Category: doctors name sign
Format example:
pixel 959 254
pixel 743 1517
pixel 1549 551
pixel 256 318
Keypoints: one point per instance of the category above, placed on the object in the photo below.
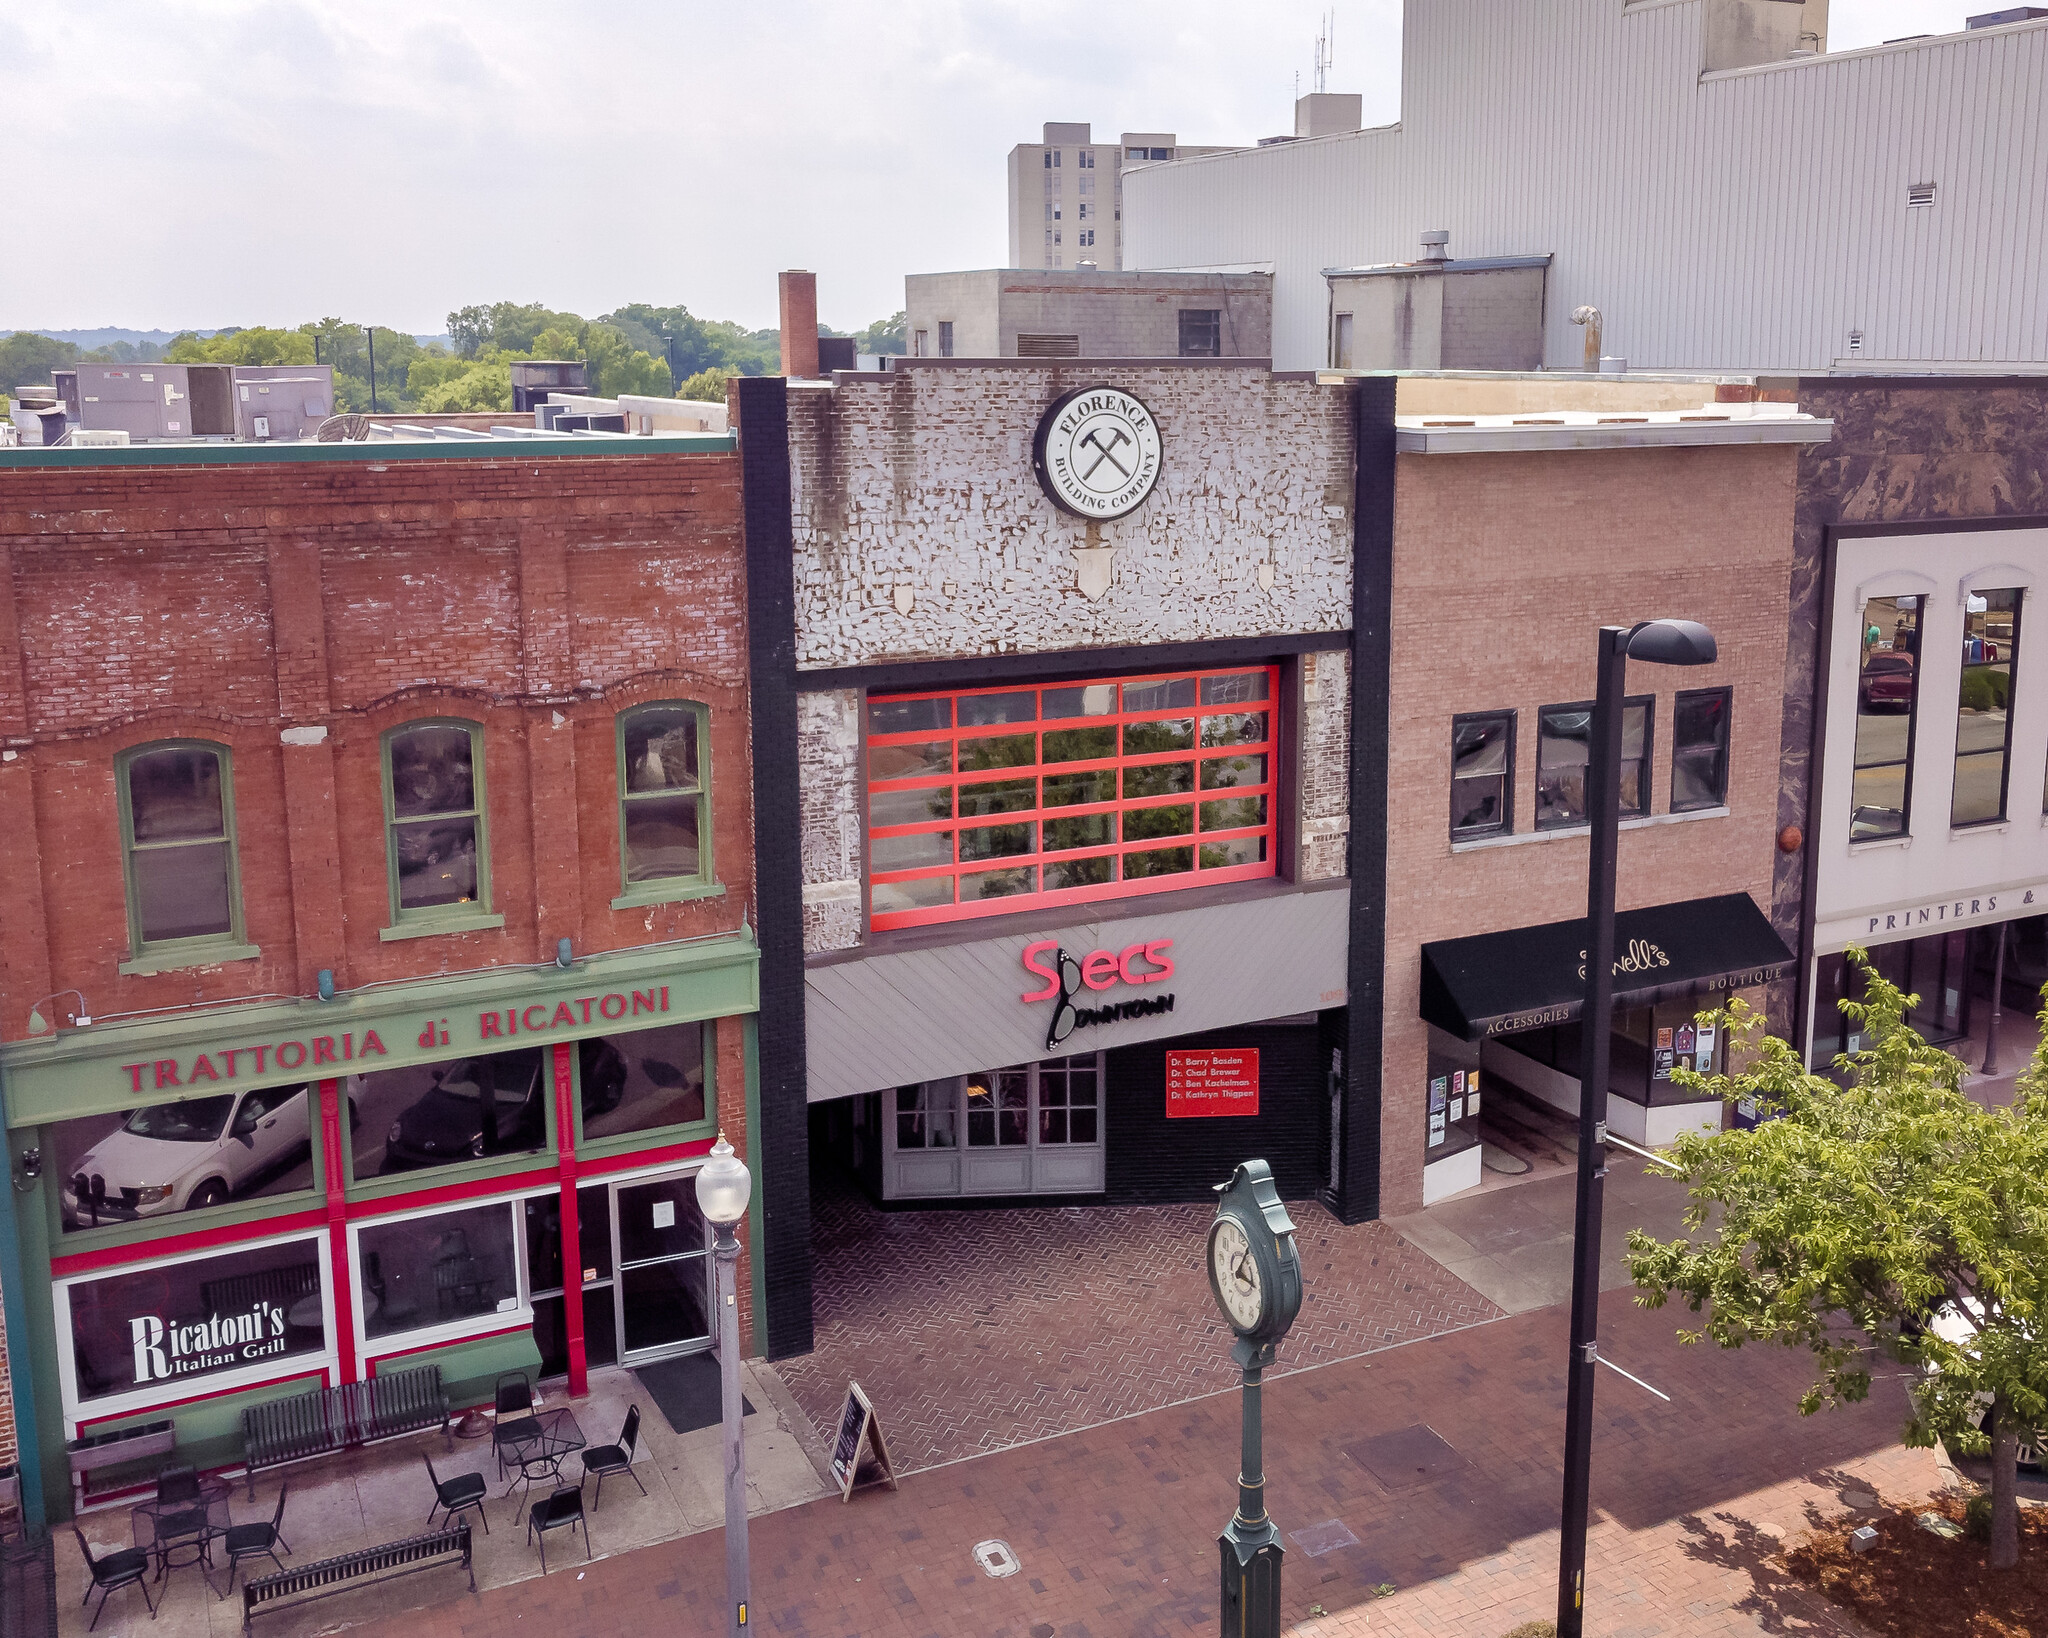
pixel 1212 1081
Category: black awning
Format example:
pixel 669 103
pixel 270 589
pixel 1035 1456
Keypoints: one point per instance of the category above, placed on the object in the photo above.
pixel 1497 983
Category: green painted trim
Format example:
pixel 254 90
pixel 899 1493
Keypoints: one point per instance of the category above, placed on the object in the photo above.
pixel 467 913
pixel 21 1371
pixel 663 893
pixel 170 954
pixel 445 924
pixel 460 1171
pixel 95 1070
pixel 623 1143
pixel 678 887
pixel 517 450
pixel 39 1349
pixel 469 1370
pixel 757 1264
pixel 180 958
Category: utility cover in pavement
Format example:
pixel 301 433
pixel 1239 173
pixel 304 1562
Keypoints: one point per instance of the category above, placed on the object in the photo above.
pixel 995 1558
pixel 1319 1539
pixel 1406 1458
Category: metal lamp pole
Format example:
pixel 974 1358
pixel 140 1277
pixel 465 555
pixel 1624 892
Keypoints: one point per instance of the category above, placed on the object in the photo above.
pixel 723 1189
pixel 1669 642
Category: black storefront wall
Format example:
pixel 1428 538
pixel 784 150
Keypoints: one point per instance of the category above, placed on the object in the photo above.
pixel 1152 1160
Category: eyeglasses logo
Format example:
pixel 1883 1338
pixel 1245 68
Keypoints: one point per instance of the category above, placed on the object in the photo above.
pixel 1145 962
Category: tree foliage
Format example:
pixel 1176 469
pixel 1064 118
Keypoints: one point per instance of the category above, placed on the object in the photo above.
pixel 884 335
pixel 26 359
pixel 1890 1215
pixel 256 346
pixel 708 386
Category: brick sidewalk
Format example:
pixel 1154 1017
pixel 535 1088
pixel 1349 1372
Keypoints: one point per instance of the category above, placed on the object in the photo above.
pixel 1115 1526
pixel 978 1330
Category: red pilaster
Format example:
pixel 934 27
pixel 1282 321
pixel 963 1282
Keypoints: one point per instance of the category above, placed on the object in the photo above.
pixel 337 1229
pixel 572 1243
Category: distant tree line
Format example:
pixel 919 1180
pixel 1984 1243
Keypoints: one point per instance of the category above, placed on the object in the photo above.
pixel 639 348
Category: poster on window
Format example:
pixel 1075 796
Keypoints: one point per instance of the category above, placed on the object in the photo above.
pixel 1212 1081
pixel 180 1324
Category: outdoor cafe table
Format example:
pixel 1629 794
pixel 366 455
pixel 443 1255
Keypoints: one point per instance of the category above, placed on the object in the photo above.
pixel 539 1450
pixel 164 1527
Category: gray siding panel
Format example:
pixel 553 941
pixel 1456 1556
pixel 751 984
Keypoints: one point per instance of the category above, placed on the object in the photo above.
pixel 1744 220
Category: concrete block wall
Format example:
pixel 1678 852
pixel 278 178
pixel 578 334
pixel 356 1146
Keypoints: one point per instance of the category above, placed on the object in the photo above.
pixel 921 531
pixel 1505 566
pixel 828 755
pixel 1325 761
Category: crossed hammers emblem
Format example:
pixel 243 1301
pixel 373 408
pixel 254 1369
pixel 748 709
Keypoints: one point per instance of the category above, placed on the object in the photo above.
pixel 1106 452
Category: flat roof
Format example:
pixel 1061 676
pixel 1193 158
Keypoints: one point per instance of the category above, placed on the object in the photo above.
pixel 1709 425
pixel 1454 264
pixel 371 451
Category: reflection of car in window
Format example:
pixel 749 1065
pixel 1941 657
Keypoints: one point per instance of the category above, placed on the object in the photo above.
pixel 186 1156
pixel 495 1104
pixel 1887 679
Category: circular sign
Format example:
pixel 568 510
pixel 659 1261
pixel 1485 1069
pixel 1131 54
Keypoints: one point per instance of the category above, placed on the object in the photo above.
pixel 1097 453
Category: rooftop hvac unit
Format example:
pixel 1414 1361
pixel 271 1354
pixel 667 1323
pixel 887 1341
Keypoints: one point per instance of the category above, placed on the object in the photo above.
pixel 97 438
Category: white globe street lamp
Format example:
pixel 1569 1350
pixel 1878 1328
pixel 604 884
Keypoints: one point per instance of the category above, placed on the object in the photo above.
pixel 724 1186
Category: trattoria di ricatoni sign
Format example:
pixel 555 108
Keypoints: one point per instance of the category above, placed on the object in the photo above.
pixel 353 1052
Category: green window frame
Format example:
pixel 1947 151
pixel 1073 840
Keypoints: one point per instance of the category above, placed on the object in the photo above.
pixel 437 848
pixel 664 809
pixel 171 848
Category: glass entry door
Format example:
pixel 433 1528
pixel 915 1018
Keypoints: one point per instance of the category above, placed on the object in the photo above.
pixel 646 1273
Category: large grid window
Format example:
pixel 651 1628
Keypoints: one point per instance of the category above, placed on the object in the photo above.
pixel 1991 635
pixel 1887 700
pixel 178 841
pixel 993 799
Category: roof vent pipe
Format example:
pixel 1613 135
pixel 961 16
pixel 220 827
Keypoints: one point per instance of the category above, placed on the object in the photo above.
pixel 1435 245
pixel 1590 318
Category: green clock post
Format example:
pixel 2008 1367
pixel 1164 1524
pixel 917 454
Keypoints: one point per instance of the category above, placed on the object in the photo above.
pixel 1255 1273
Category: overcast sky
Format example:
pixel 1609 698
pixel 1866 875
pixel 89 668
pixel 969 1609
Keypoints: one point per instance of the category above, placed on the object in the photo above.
pixel 201 163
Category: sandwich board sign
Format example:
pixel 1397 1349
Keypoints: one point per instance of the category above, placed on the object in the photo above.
pixel 860 1434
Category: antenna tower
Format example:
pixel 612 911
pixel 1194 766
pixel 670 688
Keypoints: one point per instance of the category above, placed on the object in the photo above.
pixel 1326 49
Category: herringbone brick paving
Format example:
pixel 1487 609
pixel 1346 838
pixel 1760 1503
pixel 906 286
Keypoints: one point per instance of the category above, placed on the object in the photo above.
pixel 1116 1526
pixel 976 1330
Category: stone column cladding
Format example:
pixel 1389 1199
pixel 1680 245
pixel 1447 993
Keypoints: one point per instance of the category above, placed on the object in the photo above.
pixel 1908 451
pixel 1505 565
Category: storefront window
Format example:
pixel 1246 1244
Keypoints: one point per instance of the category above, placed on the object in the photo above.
pixel 1991 634
pixel 434 811
pixel 1887 690
pixel 999 1108
pixel 167 1158
pixel 1563 752
pixel 405 1120
pixel 663 821
pixel 178 837
pixel 1067 1100
pixel 996 799
pixel 925 1116
pixel 643 1080
pixel 173 1327
pixel 1699 750
pixel 452 1266
pixel 1482 774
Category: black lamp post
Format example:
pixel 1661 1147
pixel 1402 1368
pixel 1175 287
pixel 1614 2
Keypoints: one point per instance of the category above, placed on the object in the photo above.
pixel 1663 642
pixel 370 331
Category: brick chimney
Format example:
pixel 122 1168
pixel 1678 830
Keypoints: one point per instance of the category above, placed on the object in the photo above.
pixel 799 292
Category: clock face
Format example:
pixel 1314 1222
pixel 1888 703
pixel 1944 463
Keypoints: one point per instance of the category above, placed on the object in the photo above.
pixel 1234 1272
pixel 1097 453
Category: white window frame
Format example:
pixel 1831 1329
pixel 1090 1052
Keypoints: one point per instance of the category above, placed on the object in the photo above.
pixel 962 1150
pixel 422 1337
pixel 184 1390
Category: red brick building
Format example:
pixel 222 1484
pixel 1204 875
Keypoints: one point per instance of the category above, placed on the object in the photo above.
pixel 379 757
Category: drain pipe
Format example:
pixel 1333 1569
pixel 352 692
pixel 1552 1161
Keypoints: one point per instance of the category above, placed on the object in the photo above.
pixel 1590 318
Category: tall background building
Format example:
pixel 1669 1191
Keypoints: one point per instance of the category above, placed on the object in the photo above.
pixel 1066 193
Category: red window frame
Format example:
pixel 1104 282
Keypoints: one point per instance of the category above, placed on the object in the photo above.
pixel 955 908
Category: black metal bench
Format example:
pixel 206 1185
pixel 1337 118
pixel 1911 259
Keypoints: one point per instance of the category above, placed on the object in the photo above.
pixel 331 1419
pixel 306 1582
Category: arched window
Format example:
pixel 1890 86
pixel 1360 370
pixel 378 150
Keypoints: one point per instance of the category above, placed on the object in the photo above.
pixel 437 841
pixel 178 853
pixel 664 800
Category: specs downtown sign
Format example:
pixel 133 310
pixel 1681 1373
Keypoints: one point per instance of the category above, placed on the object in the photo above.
pixel 1145 962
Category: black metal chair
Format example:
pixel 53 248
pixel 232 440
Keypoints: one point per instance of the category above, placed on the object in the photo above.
pixel 561 1509
pixel 463 1491
pixel 514 1407
pixel 177 1484
pixel 618 1458
pixel 257 1540
pixel 129 1567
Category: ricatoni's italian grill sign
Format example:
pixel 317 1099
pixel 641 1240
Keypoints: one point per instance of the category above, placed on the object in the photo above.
pixel 164 1350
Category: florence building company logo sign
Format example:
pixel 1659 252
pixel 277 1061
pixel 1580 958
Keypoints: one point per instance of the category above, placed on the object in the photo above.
pixel 1097 453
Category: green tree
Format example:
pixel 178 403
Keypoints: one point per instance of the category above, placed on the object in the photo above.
pixel 616 366
pixel 884 335
pixel 708 385
pixel 254 346
pixel 26 359
pixel 1889 1215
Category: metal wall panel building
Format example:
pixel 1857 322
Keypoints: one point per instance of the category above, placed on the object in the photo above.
pixel 1744 219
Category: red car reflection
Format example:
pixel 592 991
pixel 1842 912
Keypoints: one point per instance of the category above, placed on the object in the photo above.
pixel 1887 680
